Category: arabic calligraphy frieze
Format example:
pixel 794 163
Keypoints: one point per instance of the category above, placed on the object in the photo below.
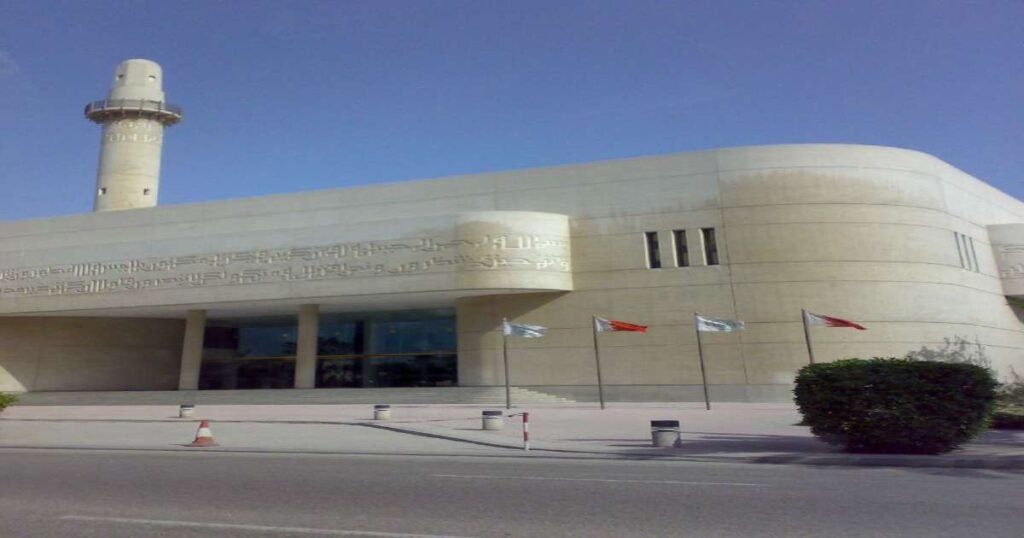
pixel 297 264
pixel 1011 261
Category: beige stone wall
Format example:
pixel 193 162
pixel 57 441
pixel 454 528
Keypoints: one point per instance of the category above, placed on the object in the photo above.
pixel 865 234
pixel 1008 246
pixel 62 353
pixel 137 265
pixel 861 232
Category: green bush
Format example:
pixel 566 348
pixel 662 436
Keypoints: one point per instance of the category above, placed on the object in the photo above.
pixel 895 405
pixel 7 400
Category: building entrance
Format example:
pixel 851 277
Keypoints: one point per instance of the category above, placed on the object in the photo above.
pixel 414 348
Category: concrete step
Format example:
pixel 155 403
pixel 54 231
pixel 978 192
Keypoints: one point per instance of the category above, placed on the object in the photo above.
pixel 412 395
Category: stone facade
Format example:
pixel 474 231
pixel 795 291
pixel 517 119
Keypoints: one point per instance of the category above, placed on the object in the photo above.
pixel 898 240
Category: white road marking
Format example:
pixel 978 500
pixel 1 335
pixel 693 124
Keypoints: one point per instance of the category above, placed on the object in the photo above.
pixel 257 528
pixel 683 482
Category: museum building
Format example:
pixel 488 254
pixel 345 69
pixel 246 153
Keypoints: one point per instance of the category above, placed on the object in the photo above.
pixel 407 284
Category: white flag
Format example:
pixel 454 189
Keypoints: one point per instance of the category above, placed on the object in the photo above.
pixel 522 329
pixel 712 325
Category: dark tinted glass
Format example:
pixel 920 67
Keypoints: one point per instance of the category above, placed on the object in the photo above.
pixel 710 246
pixel 682 251
pixel 653 252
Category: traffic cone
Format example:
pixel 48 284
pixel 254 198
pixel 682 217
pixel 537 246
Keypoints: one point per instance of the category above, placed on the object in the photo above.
pixel 203 435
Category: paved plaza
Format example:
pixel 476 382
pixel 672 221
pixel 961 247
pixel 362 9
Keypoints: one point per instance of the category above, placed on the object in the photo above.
pixel 729 432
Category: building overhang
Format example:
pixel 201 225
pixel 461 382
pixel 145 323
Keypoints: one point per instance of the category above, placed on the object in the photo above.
pixel 394 263
pixel 1008 245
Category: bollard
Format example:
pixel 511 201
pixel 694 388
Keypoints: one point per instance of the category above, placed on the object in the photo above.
pixel 185 411
pixel 493 420
pixel 665 433
pixel 382 412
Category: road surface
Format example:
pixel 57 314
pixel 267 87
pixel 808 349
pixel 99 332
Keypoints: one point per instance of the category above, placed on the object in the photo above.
pixel 89 493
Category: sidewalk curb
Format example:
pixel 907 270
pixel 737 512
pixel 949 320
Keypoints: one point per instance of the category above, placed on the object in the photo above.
pixel 1005 463
pixel 841 461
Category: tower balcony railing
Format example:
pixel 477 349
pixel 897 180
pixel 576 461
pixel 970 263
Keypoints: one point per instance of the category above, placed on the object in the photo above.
pixel 101 111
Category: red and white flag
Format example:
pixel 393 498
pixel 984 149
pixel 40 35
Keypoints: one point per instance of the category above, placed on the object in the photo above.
pixel 605 325
pixel 819 320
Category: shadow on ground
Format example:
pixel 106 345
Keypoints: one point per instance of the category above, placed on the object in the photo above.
pixel 701 443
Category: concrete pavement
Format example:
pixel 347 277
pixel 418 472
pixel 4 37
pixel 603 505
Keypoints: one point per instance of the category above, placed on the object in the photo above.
pixel 730 432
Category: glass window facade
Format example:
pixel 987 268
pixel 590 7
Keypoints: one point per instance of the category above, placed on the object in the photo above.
pixel 256 353
pixel 387 349
pixel 415 348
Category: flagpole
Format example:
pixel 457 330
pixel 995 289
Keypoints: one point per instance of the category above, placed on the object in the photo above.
pixel 504 350
pixel 700 356
pixel 597 360
pixel 807 336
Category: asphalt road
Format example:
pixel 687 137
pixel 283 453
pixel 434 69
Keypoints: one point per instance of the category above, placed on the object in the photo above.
pixel 73 493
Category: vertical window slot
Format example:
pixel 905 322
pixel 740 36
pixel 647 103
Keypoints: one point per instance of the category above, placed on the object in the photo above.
pixel 974 256
pixel 710 246
pixel 959 249
pixel 682 250
pixel 653 252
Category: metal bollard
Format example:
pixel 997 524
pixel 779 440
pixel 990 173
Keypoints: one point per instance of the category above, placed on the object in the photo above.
pixel 493 420
pixel 382 412
pixel 185 411
pixel 665 433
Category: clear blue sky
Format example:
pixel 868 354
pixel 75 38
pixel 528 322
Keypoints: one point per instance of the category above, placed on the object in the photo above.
pixel 286 96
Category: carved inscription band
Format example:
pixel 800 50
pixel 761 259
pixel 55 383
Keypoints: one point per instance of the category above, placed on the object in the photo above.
pixel 336 261
pixel 1011 261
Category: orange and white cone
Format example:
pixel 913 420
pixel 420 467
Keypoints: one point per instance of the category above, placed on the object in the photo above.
pixel 203 435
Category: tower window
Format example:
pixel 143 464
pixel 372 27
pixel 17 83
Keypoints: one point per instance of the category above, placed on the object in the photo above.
pixel 653 252
pixel 710 246
pixel 103 190
pixel 682 250
pixel 145 192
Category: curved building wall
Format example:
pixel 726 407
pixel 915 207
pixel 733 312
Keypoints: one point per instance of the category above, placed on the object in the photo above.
pixel 1008 245
pixel 466 253
pixel 864 233
pixel 895 239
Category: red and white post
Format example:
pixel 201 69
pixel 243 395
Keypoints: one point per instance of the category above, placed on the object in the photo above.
pixel 526 431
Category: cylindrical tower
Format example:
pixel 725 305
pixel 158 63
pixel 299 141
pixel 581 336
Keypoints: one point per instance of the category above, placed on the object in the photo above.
pixel 133 116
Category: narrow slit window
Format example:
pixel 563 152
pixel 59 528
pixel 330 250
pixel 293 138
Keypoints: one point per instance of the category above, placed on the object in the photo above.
pixel 966 249
pixel 653 252
pixel 682 251
pixel 145 192
pixel 710 246
pixel 974 256
pixel 103 190
pixel 959 249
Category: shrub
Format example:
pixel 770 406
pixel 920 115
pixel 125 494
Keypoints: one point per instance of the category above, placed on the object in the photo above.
pixel 7 400
pixel 895 405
